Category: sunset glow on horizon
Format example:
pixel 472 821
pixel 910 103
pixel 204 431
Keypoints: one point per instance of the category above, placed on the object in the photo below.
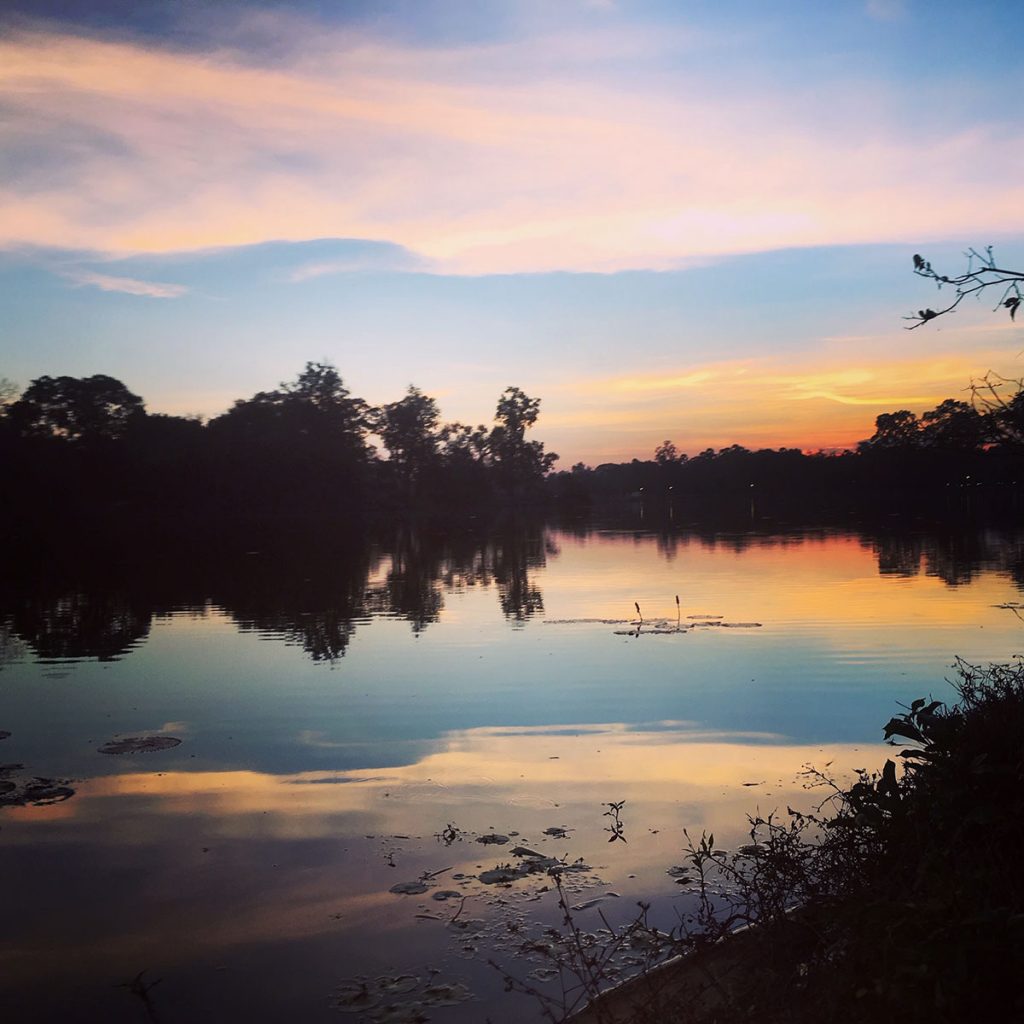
pixel 690 222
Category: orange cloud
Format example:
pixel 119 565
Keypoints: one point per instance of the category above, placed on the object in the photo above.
pixel 756 402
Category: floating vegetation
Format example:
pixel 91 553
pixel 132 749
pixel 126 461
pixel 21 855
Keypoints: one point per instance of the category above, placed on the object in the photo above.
pixel 492 839
pixel 446 994
pixel 503 874
pixel 652 631
pixel 449 834
pixel 34 790
pixel 397 985
pixel 574 622
pixel 525 851
pixel 665 627
pixel 409 888
pixel 139 744
pixel 4 734
pixel 558 831
pixel 616 826
pixel 531 863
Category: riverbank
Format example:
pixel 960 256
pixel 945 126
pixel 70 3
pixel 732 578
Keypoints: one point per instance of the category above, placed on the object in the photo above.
pixel 911 903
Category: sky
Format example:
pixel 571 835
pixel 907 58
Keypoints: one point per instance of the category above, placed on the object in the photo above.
pixel 667 220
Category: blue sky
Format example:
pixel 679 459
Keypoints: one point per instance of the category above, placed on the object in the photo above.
pixel 691 221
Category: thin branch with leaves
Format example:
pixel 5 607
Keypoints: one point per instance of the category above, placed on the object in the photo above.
pixel 982 275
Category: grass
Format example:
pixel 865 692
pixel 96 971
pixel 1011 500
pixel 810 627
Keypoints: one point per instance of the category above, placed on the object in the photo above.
pixel 900 898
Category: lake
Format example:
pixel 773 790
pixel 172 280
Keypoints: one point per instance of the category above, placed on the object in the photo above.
pixel 358 716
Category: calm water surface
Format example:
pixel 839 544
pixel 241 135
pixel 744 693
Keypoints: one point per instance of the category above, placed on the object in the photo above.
pixel 352 718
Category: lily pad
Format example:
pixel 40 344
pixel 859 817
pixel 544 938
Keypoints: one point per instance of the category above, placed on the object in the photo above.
pixel 525 851
pixel 502 875
pixel 446 894
pixel 492 839
pixel 37 791
pixel 139 744
pixel 446 994
pixel 408 888
pixel 397 985
pixel 46 791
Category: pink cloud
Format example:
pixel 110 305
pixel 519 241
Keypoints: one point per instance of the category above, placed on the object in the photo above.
pixel 488 159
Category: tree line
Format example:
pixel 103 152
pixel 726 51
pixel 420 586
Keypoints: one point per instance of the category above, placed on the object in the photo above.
pixel 307 445
pixel 955 445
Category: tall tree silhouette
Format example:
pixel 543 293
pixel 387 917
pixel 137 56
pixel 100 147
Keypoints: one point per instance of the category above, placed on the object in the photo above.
pixel 519 464
pixel 301 443
pixel 409 430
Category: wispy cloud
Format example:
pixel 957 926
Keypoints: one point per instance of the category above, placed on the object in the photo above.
pixel 534 154
pixel 664 383
pixel 127 285
pixel 377 258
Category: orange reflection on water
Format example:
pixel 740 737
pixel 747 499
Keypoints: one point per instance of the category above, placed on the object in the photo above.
pixel 524 768
pixel 246 857
pixel 826 580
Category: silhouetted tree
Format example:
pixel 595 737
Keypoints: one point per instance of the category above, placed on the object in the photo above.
pixel 666 453
pixel 304 442
pixel 409 430
pixel 82 410
pixel 894 430
pixel 1001 402
pixel 953 425
pixel 315 407
pixel 464 452
pixel 520 464
pixel 461 442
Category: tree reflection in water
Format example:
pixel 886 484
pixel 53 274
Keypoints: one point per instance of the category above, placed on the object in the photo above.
pixel 306 587
pixel 312 587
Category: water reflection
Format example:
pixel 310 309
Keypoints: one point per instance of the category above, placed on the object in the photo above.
pixel 309 591
pixel 312 589
pixel 216 880
pixel 97 623
pixel 416 685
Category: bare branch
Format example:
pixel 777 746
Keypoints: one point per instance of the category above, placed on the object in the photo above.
pixel 981 275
